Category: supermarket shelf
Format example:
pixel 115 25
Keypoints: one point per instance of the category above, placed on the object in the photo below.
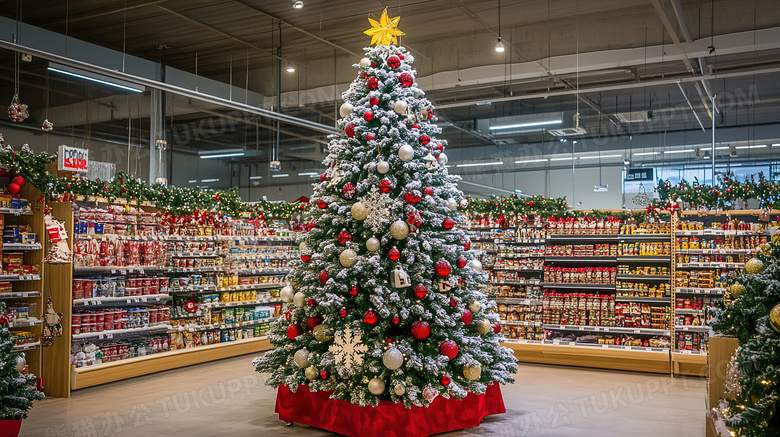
pixel 251 239
pixel 716 251
pixel 687 362
pixel 581 259
pixel 644 237
pixel 517 300
pixel 688 311
pixel 20 294
pixel 118 370
pixel 259 257
pixel 600 238
pixel 516 269
pixel 609 287
pixel 252 286
pixel 27 346
pixel 194 254
pixel 209 269
pixel 24 323
pixel 19 246
pixel 20 277
pixel 124 300
pixel 520 255
pixel 664 278
pixel 608 346
pixel 710 291
pixel 115 270
pixel 116 333
pixel 528 282
pixel 240 303
pixel 689 352
pixel 525 241
pixel 662 300
pixel 260 271
pixel 691 328
pixel 715 232
pixel 520 323
pixel 710 265
pixel 645 259
pixel 200 328
pixel 193 288
pixel 612 329
pixel 16 211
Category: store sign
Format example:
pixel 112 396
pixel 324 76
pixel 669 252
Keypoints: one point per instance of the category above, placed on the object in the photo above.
pixel 72 159
pixel 639 174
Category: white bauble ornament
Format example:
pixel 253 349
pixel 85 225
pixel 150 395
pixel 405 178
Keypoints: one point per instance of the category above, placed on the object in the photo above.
pixel 452 204
pixel 301 358
pixel 287 294
pixel 21 363
pixel 365 62
pixel 464 203
pixel 399 230
pixel 406 153
pixel 484 326
pixel 312 373
pixel 393 358
pixel 359 211
pixel 346 109
pixel 400 107
pixel 472 371
pixel 399 389
pixel 383 167
pixel 376 386
pixel 372 244
pixel 443 160
pixel 474 307
pixel 303 247
pixel 299 299
pixel 430 393
pixel 348 258
pixel 476 265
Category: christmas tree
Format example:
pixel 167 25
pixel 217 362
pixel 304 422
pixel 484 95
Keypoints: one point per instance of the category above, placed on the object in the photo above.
pixel 384 303
pixel 17 391
pixel 751 313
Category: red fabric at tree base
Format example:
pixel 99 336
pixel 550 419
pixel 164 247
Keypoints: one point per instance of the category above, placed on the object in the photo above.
pixel 10 428
pixel 388 419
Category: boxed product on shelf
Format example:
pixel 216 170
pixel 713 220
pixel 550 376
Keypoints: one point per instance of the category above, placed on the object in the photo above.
pixel 19 234
pixel 646 228
pixel 23 337
pixel 641 315
pixel 699 258
pixel 583 225
pixel 625 269
pixel 516 291
pixel 691 341
pixel 578 309
pixel 645 249
pixel 581 250
pixel 109 319
pixel 580 275
pixel 641 289
pixel 519 264
pixel 119 253
pixel 6 287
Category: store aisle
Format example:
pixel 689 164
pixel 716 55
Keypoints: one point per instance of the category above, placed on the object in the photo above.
pixel 228 398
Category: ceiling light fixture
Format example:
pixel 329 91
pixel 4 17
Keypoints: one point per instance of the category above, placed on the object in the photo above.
pixel 254 178
pixel 479 164
pixel 524 125
pixel 601 157
pixel 222 153
pixel 601 188
pixel 205 181
pixel 192 181
pixel 528 161
pixel 626 161
pixel 309 173
pixel 568 158
pixel 282 175
pixel 757 146
pixel 646 153
pixel 670 152
pixel 290 69
pixel 93 78
pixel 297 4
pixel 500 46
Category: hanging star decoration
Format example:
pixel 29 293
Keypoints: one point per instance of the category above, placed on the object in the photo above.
pixel 384 31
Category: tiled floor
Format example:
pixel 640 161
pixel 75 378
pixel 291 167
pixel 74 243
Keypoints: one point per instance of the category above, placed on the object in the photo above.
pixel 227 398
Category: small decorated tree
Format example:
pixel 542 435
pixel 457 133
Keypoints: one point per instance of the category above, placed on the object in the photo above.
pixel 17 391
pixel 751 313
pixel 384 303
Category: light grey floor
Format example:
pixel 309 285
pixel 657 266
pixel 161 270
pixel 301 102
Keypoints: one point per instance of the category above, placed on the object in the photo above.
pixel 227 398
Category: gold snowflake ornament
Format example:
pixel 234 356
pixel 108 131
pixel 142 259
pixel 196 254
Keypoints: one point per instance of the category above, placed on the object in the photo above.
pixel 384 31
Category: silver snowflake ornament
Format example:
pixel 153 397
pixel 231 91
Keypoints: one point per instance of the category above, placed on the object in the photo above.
pixel 348 349
pixel 376 204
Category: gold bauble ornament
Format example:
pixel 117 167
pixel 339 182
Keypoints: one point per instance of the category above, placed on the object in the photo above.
pixel 348 258
pixel 312 373
pixel 472 371
pixel 372 244
pixel 399 230
pixel 754 266
pixel 301 358
pixel 322 332
pixel 299 299
pixel 376 386
pixel 774 318
pixel 483 326
pixel 765 248
pixel 727 299
pixel 474 307
pixel 359 211
pixel 736 290
pixel 399 389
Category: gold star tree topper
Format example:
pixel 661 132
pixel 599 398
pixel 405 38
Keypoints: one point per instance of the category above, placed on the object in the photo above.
pixel 384 31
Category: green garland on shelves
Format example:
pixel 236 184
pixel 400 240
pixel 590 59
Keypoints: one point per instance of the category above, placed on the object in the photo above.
pixel 720 196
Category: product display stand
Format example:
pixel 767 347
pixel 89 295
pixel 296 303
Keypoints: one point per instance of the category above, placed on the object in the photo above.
pixel 388 419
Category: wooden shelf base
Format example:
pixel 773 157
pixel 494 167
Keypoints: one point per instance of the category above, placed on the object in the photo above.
pixel 578 356
pixel 118 370
pixel 689 364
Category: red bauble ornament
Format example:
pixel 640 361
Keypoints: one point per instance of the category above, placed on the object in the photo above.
pixel 322 204
pixel 342 313
pixel 13 188
pixel 448 223
pixel 324 177
pixel 288 315
pixel 496 328
pixel 344 237
pixel 414 126
pixel 393 62
pixel 370 137
pixel 420 291
pixel 18 181
pixel 412 197
pixel 350 130
pixel 449 349
pixel 368 116
pixel 424 139
pixel 453 302
pixel 294 331
pixel 445 380
pixel 414 219
pixel 373 64
pixel 461 262
pixel 400 56
pixel 384 185
pixel 373 101
pixel 305 258
pixel 428 191
pixel 466 243
pixel 396 320
pixel 324 374
pixel 406 79
pixel 353 291
pixel 311 302
pixel 439 147
pixel 324 277
pixel 421 330
pixel 370 317
pixel 443 268
pixel 373 83
pixel 466 317
pixel 349 190
pixel 311 322
pixel 394 254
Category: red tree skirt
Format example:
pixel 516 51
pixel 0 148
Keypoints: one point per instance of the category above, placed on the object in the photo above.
pixel 388 419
